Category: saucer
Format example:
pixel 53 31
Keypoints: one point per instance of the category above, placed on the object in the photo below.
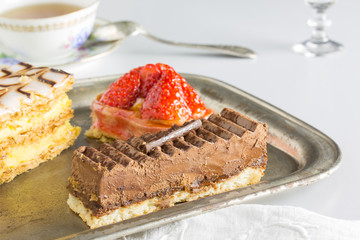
pixel 81 54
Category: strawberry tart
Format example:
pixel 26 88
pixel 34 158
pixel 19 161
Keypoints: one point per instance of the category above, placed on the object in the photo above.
pixel 147 99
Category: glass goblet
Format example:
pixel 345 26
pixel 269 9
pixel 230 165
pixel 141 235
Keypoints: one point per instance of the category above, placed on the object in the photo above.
pixel 319 43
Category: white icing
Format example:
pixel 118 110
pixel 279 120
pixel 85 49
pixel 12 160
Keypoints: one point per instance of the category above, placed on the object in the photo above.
pixel 27 81
pixel 33 71
pixel 55 76
pixel 9 104
pixel 15 68
pixel 10 81
pixel 40 88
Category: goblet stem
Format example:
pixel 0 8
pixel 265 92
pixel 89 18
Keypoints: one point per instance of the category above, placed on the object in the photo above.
pixel 319 43
pixel 319 23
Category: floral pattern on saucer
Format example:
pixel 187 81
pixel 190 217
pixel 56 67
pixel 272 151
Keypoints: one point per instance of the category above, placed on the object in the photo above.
pixel 78 40
pixel 7 60
pixel 80 54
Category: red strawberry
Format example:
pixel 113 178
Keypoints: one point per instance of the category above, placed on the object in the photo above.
pixel 163 67
pixel 165 100
pixel 124 92
pixel 149 75
pixel 193 100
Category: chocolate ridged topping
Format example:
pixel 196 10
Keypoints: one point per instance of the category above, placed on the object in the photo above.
pixel 114 154
pixel 239 119
pixel 186 157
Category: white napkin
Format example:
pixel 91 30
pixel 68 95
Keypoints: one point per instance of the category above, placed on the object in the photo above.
pixel 250 221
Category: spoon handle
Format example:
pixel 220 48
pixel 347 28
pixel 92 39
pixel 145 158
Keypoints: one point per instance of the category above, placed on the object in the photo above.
pixel 232 50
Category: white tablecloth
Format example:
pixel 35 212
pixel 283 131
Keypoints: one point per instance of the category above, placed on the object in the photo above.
pixel 255 221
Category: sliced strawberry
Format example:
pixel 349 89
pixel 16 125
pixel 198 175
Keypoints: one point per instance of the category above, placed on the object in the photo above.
pixel 193 101
pixel 124 92
pixel 149 75
pixel 165 100
pixel 164 68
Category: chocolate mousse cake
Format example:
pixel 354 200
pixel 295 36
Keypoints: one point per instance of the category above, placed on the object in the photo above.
pixel 34 117
pixel 203 157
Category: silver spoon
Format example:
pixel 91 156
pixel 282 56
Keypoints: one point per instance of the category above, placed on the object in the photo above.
pixel 120 30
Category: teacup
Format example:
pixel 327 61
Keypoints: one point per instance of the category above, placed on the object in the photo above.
pixel 46 38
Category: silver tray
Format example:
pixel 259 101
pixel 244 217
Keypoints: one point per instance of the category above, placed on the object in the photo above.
pixel 33 205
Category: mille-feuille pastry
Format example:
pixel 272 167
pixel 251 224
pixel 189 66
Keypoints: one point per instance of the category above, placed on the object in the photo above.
pixel 130 178
pixel 147 99
pixel 34 117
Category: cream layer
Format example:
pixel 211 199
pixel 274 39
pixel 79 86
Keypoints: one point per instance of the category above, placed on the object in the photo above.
pixel 248 176
pixel 53 113
pixel 27 156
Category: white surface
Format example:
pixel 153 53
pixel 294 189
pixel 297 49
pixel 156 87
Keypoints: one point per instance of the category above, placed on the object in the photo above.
pixel 323 92
pixel 256 222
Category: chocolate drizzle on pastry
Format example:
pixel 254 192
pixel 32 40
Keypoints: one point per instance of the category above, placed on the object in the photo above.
pixel 47 81
pixel 26 65
pixel 196 154
pixel 7 73
pixel 27 94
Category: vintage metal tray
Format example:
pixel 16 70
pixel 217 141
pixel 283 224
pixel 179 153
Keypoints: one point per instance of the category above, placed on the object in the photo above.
pixel 33 205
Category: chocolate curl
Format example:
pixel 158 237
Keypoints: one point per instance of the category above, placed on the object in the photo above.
pixel 175 134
